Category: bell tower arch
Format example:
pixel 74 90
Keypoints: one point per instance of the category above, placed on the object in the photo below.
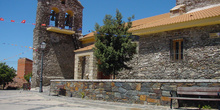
pixel 59 25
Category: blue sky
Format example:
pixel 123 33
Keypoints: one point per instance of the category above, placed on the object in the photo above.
pixel 16 38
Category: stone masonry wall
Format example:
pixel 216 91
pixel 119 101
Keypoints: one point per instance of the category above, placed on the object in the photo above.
pixel 58 54
pixel 201 59
pixel 127 91
pixel 193 4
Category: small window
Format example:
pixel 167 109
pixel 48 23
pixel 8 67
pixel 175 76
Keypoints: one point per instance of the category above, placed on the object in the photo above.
pixel 177 49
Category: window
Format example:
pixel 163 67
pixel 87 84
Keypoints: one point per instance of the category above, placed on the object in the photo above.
pixel 177 49
pixel 54 18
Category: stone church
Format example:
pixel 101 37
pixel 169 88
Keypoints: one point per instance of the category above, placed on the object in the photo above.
pixel 181 44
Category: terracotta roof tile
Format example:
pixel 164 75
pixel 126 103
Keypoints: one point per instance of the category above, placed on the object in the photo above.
pixel 165 19
pixel 202 14
pixel 89 35
pixel 150 19
pixel 138 22
pixel 90 47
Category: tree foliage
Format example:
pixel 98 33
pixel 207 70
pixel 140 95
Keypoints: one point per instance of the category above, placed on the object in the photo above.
pixel 27 77
pixel 113 44
pixel 6 74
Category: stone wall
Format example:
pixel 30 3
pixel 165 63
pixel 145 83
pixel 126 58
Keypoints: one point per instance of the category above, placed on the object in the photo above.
pixel 127 91
pixel 89 67
pixel 201 59
pixel 193 4
pixel 58 54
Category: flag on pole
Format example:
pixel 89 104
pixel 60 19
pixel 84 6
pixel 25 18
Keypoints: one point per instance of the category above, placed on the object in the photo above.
pixel 23 21
pixel 1 19
pixel 12 20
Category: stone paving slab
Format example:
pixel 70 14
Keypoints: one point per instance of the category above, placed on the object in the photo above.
pixel 27 100
pixel 33 100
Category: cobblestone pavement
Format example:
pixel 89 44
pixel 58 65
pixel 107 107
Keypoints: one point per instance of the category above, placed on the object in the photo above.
pixel 33 100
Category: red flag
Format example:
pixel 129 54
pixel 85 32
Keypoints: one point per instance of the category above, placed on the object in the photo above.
pixel 12 20
pixel 43 24
pixel 1 19
pixel 23 21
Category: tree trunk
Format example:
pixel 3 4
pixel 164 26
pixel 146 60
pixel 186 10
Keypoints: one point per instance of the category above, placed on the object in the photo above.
pixel 3 86
pixel 114 74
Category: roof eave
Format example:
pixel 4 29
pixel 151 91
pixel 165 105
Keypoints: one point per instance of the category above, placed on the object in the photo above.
pixel 87 38
pixel 77 51
pixel 175 26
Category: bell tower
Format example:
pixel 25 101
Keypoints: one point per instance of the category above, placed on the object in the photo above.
pixel 59 25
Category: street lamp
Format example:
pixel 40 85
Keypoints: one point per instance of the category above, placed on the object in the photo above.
pixel 42 46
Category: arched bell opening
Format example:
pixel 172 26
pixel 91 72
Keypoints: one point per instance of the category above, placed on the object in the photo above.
pixel 54 17
pixel 69 20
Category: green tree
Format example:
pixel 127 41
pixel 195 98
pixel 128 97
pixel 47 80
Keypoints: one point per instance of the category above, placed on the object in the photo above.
pixel 113 46
pixel 6 74
pixel 27 77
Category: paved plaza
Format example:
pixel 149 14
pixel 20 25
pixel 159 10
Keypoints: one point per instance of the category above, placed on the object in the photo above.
pixel 33 100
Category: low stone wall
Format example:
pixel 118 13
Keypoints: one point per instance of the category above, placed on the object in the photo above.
pixel 127 91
